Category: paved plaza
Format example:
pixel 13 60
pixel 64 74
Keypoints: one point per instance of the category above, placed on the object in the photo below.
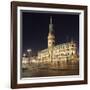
pixel 44 70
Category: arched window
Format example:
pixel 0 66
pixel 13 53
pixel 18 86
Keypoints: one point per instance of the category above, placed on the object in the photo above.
pixel 52 42
pixel 72 53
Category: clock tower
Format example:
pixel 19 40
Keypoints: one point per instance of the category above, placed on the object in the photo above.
pixel 51 40
pixel 51 36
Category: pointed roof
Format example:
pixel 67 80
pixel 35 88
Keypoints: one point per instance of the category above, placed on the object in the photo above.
pixel 50 19
pixel 51 26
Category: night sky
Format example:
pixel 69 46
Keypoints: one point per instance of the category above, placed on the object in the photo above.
pixel 35 28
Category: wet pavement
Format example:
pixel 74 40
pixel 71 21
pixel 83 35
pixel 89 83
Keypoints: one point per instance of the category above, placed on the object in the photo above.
pixel 38 71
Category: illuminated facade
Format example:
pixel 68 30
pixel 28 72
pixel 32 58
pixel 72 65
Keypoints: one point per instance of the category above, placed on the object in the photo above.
pixel 57 53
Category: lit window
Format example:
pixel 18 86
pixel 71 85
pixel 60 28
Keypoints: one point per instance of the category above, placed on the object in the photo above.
pixel 67 53
pixel 72 53
pixel 49 42
pixel 53 43
pixel 72 45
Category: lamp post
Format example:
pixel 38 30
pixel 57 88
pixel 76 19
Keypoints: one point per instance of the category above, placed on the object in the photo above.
pixel 29 55
pixel 24 55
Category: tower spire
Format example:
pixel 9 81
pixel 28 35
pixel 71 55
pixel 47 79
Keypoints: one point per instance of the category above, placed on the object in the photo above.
pixel 51 36
pixel 50 19
pixel 51 25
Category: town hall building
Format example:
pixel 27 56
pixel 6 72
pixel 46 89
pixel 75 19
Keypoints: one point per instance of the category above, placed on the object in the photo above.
pixel 57 53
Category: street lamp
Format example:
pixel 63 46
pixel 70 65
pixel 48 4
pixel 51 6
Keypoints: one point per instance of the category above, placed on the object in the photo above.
pixel 29 54
pixel 24 55
pixel 29 50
